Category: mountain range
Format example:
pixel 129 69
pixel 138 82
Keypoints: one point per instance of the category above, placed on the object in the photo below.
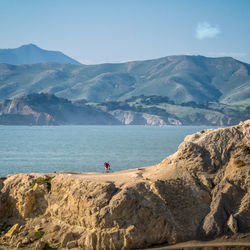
pixel 30 54
pixel 180 78
pixel 170 90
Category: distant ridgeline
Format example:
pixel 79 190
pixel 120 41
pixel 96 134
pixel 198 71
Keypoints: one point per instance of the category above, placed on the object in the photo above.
pixel 47 109
pixel 180 78
pixel 30 54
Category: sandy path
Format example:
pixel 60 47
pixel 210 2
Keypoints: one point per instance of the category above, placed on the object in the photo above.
pixel 200 244
pixel 119 178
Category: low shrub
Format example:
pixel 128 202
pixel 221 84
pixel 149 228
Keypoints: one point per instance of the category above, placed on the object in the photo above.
pixel 40 181
pixel 38 235
pixel 240 163
pixel 245 149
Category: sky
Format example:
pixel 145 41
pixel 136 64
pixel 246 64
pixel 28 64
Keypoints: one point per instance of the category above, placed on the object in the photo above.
pixel 105 31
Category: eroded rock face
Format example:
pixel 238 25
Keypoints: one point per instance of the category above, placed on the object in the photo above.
pixel 200 192
pixel 218 160
pixel 137 118
pixel 18 113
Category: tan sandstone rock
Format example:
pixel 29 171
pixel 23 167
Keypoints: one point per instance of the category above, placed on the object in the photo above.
pixel 40 245
pixel 232 224
pixel 199 192
pixel 12 231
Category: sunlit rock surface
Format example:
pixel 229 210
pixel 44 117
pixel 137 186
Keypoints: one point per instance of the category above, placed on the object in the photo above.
pixel 201 192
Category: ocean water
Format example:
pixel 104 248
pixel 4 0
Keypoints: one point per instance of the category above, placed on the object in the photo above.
pixel 26 149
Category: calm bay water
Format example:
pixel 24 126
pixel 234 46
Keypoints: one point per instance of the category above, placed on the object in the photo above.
pixel 25 149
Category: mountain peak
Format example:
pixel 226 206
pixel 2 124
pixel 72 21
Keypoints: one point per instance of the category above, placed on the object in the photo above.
pixel 29 45
pixel 31 54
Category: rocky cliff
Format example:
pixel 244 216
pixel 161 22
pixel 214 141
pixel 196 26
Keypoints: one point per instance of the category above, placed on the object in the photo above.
pixel 46 109
pixel 201 192
pixel 138 118
pixel 17 112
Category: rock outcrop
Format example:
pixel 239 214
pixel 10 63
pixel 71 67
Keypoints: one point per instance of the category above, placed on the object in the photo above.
pixel 138 118
pixel 16 112
pixel 46 109
pixel 200 192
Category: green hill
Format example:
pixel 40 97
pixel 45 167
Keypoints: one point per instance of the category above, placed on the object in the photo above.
pixel 180 78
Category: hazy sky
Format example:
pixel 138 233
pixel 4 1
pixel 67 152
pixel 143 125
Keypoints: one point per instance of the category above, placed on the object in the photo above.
pixel 95 31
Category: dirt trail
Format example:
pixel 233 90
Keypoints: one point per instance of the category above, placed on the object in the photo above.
pixel 207 245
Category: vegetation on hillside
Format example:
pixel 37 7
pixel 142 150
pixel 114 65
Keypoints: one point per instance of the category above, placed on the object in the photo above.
pixel 188 112
pixel 48 109
pixel 182 79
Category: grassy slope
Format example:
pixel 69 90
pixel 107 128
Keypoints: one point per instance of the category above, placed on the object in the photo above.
pixel 182 78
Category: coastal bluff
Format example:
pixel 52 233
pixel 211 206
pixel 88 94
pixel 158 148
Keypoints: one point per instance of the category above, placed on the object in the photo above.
pixel 201 192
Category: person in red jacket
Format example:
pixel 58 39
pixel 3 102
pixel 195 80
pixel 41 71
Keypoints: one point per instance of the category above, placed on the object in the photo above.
pixel 106 166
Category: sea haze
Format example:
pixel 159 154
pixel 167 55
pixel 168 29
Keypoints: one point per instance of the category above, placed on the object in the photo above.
pixel 26 149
